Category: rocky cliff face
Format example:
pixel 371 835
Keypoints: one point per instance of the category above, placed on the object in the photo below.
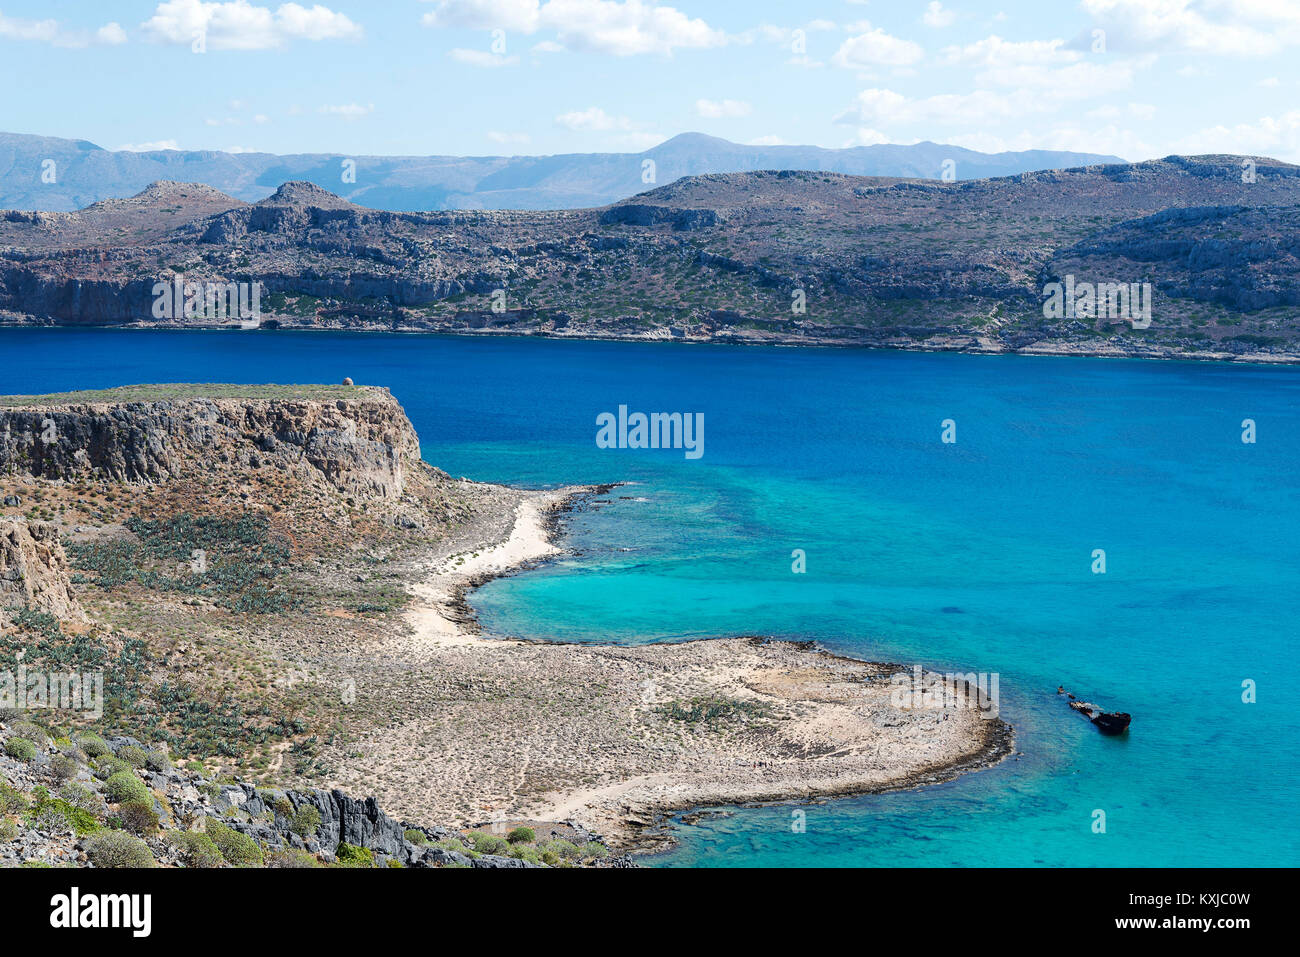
pixel 34 570
pixel 363 447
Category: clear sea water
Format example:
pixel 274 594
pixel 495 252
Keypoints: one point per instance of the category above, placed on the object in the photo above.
pixel 968 557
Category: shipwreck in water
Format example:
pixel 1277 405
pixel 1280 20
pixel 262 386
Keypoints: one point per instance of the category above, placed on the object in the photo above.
pixel 1107 722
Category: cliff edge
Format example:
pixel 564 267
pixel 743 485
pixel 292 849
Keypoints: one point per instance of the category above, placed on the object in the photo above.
pixel 355 440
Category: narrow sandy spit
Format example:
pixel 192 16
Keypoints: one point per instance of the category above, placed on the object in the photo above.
pixel 478 729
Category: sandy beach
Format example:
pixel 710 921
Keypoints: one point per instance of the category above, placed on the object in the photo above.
pixel 472 728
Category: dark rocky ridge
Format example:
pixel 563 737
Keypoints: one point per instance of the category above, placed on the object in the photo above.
pixel 720 257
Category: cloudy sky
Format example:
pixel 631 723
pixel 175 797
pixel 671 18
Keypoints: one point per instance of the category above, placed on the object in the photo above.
pixel 1136 78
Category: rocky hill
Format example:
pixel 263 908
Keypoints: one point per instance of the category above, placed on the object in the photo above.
pixel 789 257
pixel 86 173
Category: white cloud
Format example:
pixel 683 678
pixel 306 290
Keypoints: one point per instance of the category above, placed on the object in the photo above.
pixel 868 137
pixel 888 108
pixel 238 25
pixel 637 141
pixel 1055 72
pixel 719 109
pixel 499 137
pixel 520 16
pixel 993 52
pixel 1223 27
pixel 481 58
pixel 593 118
pixel 618 27
pixel 349 111
pixel 53 33
pixel 110 34
pixel 149 147
pixel 936 16
pixel 770 140
pixel 1276 136
pixel 876 48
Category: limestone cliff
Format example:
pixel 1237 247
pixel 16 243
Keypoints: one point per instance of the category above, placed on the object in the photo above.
pixel 356 440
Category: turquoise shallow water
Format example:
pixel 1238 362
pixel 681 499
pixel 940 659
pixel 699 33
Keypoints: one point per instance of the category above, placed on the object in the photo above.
pixel 967 557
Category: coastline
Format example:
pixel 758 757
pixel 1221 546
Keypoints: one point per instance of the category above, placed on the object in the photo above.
pixel 963 344
pixel 819 725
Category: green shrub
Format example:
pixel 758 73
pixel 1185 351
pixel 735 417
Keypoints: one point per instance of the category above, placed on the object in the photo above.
pixel 525 853
pixel 117 849
pixel 33 733
pixel 12 801
pixel 125 786
pixel 349 856
pixel 64 767
pixel 139 817
pixel 197 849
pixel 488 843
pixel 20 749
pixel 8 830
pixel 564 849
pixel 417 838
pixel 93 745
pixel 594 849
pixel 283 807
pixel 79 795
pixel 395 863
pixel 56 814
pixel 107 766
pixel 521 835
pixel 305 821
pixel 451 844
pixel 157 760
pixel 238 849
pixel 136 757
pixel 291 857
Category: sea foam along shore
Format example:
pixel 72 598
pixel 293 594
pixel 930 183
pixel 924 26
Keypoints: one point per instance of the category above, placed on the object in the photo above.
pixel 615 737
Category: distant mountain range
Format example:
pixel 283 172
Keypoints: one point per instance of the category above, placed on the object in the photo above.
pixel 1197 260
pixel 84 173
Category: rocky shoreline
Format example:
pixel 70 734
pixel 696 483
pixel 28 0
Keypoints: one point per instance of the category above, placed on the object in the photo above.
pixel 1116 348
pixel 633 819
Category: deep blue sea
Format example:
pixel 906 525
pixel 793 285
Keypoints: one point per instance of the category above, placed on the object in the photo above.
pixel 973 556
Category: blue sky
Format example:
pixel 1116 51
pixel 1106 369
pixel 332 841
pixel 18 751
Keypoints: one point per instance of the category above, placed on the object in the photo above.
pixel 1136 78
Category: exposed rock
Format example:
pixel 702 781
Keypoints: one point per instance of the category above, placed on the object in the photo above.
pixel 34 570
pixel 360 446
